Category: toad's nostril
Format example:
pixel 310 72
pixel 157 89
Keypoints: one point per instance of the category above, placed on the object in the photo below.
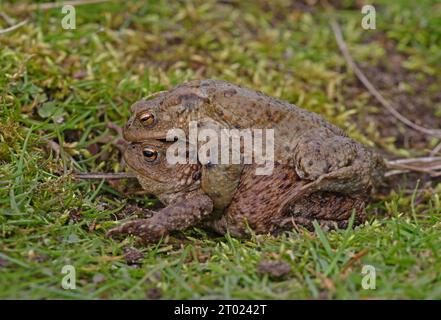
pixel 129 122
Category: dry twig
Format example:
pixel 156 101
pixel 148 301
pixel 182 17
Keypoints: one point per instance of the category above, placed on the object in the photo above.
pixel 360 75
pixel 435 150
pixel 428 165
pixel 104 175
pixel 14 27
pixel 7 18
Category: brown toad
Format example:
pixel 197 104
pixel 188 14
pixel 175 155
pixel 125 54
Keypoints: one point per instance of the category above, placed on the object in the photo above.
pixel 319 152
pixel 262 203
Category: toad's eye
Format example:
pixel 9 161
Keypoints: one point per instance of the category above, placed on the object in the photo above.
pixel 150 154
pixel 147 118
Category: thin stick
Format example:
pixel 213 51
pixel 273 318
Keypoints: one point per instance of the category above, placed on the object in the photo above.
pixel 105 176
pixel 360 75
pixel 115 128
pixel 436 150
pixel 395 172
pixel 7 18
pixel 354 259
pixel 12 28
pixel 413 168
pixel 428 165
pixel 413 160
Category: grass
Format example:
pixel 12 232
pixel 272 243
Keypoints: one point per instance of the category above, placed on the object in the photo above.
pixel 67 85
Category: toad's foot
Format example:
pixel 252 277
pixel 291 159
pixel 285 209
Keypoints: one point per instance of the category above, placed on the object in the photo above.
pixel 344 181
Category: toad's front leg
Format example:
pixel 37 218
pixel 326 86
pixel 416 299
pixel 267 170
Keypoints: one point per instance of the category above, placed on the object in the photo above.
pixel 179 216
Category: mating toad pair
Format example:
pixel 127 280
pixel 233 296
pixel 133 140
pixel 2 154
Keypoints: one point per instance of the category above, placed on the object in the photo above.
pixel 319 173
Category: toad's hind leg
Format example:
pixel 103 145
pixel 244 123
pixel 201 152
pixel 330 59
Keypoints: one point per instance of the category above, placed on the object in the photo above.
pixel 334 163
pixel 330 210
pixel 343 181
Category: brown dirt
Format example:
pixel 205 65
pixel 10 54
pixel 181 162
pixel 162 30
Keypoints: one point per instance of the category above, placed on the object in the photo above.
pixel 416 103
pixel 154 294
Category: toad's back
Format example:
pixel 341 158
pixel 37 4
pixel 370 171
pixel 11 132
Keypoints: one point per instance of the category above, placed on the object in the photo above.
pixel 246 108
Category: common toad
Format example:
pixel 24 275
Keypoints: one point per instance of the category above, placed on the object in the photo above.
pixel 318 151
pixel 262 203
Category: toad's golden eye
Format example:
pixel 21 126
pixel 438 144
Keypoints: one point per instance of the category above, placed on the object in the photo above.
pixel 150 154
pixel 147 118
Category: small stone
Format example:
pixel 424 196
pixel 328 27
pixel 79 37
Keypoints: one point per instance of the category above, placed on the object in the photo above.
pixel 274 268
pixel 80 74
pixel 154 293
pixel 98 278
pixel 3 263
pixel 132 255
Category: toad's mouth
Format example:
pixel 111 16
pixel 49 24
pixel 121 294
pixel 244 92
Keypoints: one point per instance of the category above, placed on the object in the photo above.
pixel 140 175
pixel 164 140
pixel 151 183
pixel 136 137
